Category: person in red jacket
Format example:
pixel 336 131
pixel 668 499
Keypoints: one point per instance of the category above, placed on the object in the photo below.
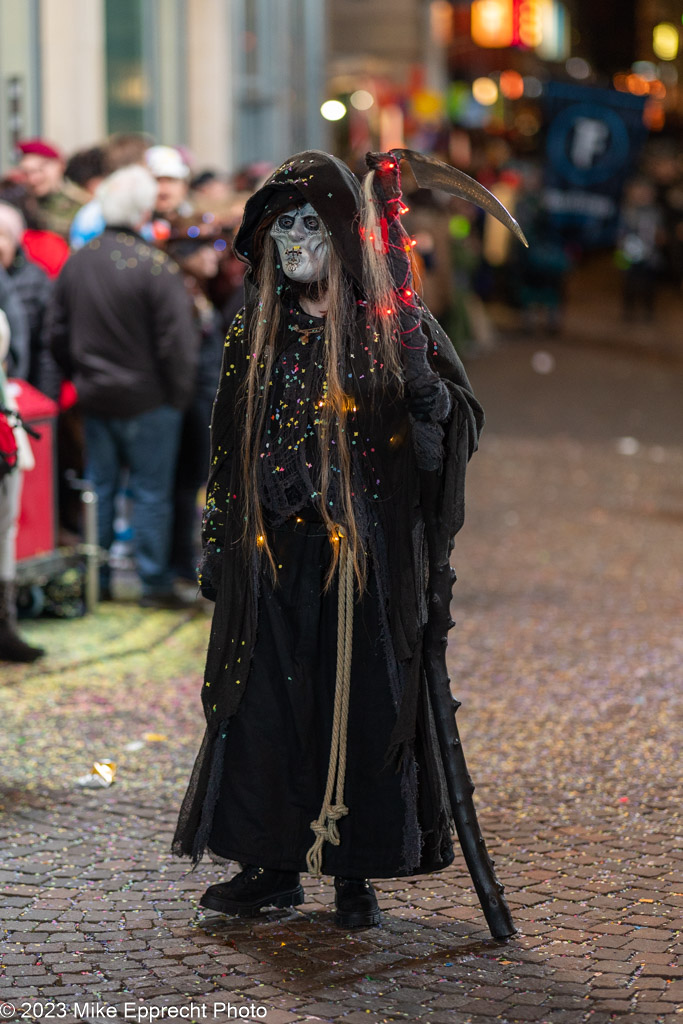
pixel 15 456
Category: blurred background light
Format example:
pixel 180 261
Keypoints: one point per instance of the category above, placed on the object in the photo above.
pixel 641 81
pixel 528 123
pixel 543 25
pixel 333 110
pixel 654 116
pixel 645 68
pixel 665 40
pixel 391 127
pixel 637 85
pixel 459 226
pixel 485 91
pixel 428 105
pixel 532 87
pixel 555 41
pixel 441 21
pixel 457 98
pixel 492 23
pixel 361 99
pixel 577 67
pixel 511 84
pixel 529 23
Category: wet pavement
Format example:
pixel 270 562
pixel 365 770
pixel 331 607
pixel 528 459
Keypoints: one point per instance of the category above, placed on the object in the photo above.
pixel 568 660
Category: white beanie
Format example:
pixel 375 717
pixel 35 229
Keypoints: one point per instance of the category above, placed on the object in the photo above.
pixel 166 162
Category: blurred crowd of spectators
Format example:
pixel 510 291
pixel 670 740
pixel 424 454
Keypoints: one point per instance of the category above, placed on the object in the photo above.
pixel 118 283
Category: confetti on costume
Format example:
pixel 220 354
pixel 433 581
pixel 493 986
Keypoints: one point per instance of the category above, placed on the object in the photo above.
pixel 339 448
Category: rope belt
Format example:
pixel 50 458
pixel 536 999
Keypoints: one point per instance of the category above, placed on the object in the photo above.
pixel 325 826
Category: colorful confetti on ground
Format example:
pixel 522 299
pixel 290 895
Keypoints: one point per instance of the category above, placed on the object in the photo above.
pixel 568 659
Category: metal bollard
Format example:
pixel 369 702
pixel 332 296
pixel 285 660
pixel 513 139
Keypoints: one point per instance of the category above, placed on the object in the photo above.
pixel 90 549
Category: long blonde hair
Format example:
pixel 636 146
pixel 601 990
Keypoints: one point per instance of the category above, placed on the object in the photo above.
pixel 377 283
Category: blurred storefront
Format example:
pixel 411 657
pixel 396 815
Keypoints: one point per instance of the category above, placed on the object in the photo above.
pixel 387 72
pixel 238 81
pixel 233 80
pixel 416 71
pixel 408 70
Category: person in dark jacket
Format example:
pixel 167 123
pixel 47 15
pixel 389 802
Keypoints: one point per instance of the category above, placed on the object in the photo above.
pixel 12 306
pixel 121 328
pixel 30 281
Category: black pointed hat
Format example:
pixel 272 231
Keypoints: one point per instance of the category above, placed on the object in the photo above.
pixel 328 185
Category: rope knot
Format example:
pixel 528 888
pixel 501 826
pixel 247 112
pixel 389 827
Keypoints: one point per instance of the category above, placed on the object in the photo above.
pixel 336 812
pixel 325 830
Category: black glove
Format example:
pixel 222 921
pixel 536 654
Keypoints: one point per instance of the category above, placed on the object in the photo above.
pixel 431 405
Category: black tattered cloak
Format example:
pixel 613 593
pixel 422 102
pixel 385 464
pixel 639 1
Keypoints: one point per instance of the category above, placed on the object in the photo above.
pixel 268 692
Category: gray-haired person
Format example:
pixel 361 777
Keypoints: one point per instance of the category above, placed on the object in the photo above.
pixel 121 328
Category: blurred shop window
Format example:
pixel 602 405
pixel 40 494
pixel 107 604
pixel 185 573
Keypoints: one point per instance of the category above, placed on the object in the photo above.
pixel 277 50
pixel 130 64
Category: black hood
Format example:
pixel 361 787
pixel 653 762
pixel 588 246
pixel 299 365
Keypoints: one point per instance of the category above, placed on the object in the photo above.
pixel 328 185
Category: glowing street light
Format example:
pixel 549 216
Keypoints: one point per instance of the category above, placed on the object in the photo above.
pixel 333 110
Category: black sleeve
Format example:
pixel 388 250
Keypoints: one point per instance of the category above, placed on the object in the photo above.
pixel 44 373
pixel 223 433
pixel 176 334
pixel 19 343
pixel 57 328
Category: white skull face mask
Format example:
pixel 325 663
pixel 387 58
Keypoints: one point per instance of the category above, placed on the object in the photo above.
pixel 302 243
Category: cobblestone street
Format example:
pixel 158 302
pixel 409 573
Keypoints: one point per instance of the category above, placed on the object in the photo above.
pixel 568 659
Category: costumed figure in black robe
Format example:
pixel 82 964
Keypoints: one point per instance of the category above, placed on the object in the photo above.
pixel 341 430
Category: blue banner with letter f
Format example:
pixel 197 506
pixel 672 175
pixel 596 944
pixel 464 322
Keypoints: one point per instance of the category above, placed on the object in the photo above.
pixel 592 144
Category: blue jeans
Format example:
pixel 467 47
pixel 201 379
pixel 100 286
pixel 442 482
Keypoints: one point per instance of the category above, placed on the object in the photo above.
pixel 147 445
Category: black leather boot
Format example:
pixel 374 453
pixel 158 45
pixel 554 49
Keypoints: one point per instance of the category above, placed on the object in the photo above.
pixel 253 888
pixel 12 647
pixel 356 903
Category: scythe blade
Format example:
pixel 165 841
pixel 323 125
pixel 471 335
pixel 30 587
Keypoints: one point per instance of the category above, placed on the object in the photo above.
pixel 431 173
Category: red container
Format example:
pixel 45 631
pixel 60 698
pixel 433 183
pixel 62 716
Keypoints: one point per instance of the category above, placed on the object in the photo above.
pixel 37 516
